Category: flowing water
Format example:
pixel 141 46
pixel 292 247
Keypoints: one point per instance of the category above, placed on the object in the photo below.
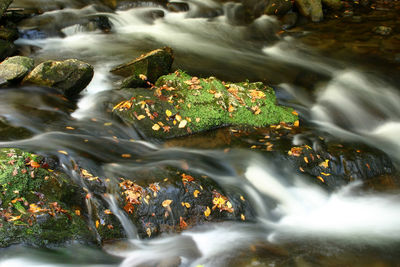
pixel 306 226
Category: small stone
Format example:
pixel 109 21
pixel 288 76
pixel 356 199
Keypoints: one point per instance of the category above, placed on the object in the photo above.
pixel 382 30
pixel 153 65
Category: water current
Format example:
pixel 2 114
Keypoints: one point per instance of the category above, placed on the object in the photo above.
pixel 307 226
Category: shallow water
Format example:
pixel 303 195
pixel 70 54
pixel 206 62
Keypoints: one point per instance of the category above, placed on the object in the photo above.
pixel 298 224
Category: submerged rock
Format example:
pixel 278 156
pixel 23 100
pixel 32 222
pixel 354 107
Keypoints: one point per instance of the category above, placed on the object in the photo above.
pixel 311 9
pixel 39 207
pixel 71 75
pixel 14 69
pixel 181 104
pixel 152 65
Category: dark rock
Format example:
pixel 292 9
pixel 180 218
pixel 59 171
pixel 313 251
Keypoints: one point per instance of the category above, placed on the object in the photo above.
pixel 152 65
pixel 289 20
pixel 8 33
pixel 14 69
pixel 6 49
pixel 171 200
pixel 71 75
pixel 278 7
pixel 177 6
pixel 8 132
pixel 332 4
pixel 4 5
pixel 181 104
pixel 311 9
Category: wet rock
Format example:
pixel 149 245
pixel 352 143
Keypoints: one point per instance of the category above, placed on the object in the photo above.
pixel 289 20
pixel 4 5
pixel 152 65
pixel 278 7
pixel 39 207
pixel 8 33
pixel 332 4
pixel 71 75
pixel 171 200
pixel 311 9
pixel 6 49
pixel 181 104
pixel 14 69
pixel 382 30
pixel 177 6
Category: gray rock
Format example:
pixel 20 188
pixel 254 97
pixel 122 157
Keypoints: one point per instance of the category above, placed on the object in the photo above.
pixel 71 75
pixel 14 69
pixel 311 9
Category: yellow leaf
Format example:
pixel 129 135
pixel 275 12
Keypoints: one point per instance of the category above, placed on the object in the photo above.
pixel 321 179
pixel 196 193
pixel 197 119
pixel 305 159
pixel 185 204
pixel 326 174
pixel 178 117
pixel 148 231
pixel 324 164
pixel 141 117
pixel 107 123
pixel 182 124
pixel 63 152
pixel 296 123
pixel 97 223
pixel 126 155
pixel 142 77
pixel 166 203
pixel 168 113
pixel 207 212
pixel 242 217
pixel 156 127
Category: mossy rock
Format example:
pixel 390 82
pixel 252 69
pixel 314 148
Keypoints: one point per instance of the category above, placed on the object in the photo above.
pixel 152 65
pixel 14 69
pixel 71 75
pixel 38 206
pixel 180 104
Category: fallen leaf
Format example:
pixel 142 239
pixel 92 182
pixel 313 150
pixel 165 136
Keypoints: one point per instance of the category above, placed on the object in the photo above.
pixel 140 117
pixel 196 193
pixel 207 212
pixel 182 124
pixel 182 223
pixel 166 203
pixel 168 113
pixel 156 127
pixel 148 231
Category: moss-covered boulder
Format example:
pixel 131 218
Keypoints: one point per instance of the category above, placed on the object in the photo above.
pixel 71 75
pixel 38 206
pixel 14 69
pixel 151 66
pixel 180 104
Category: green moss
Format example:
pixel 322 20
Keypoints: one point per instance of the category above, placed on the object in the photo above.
pixel 181 104
pixel 37 207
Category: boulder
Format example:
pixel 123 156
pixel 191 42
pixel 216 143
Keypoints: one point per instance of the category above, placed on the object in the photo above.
pixel 152 65
pixel 311 9
pixel 14 69
pixel 168 200
pixel 71 75
pixel 38 206
pixel 180 104
pixel 7 49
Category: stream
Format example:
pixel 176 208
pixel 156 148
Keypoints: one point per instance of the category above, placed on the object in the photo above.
pixel 306 225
